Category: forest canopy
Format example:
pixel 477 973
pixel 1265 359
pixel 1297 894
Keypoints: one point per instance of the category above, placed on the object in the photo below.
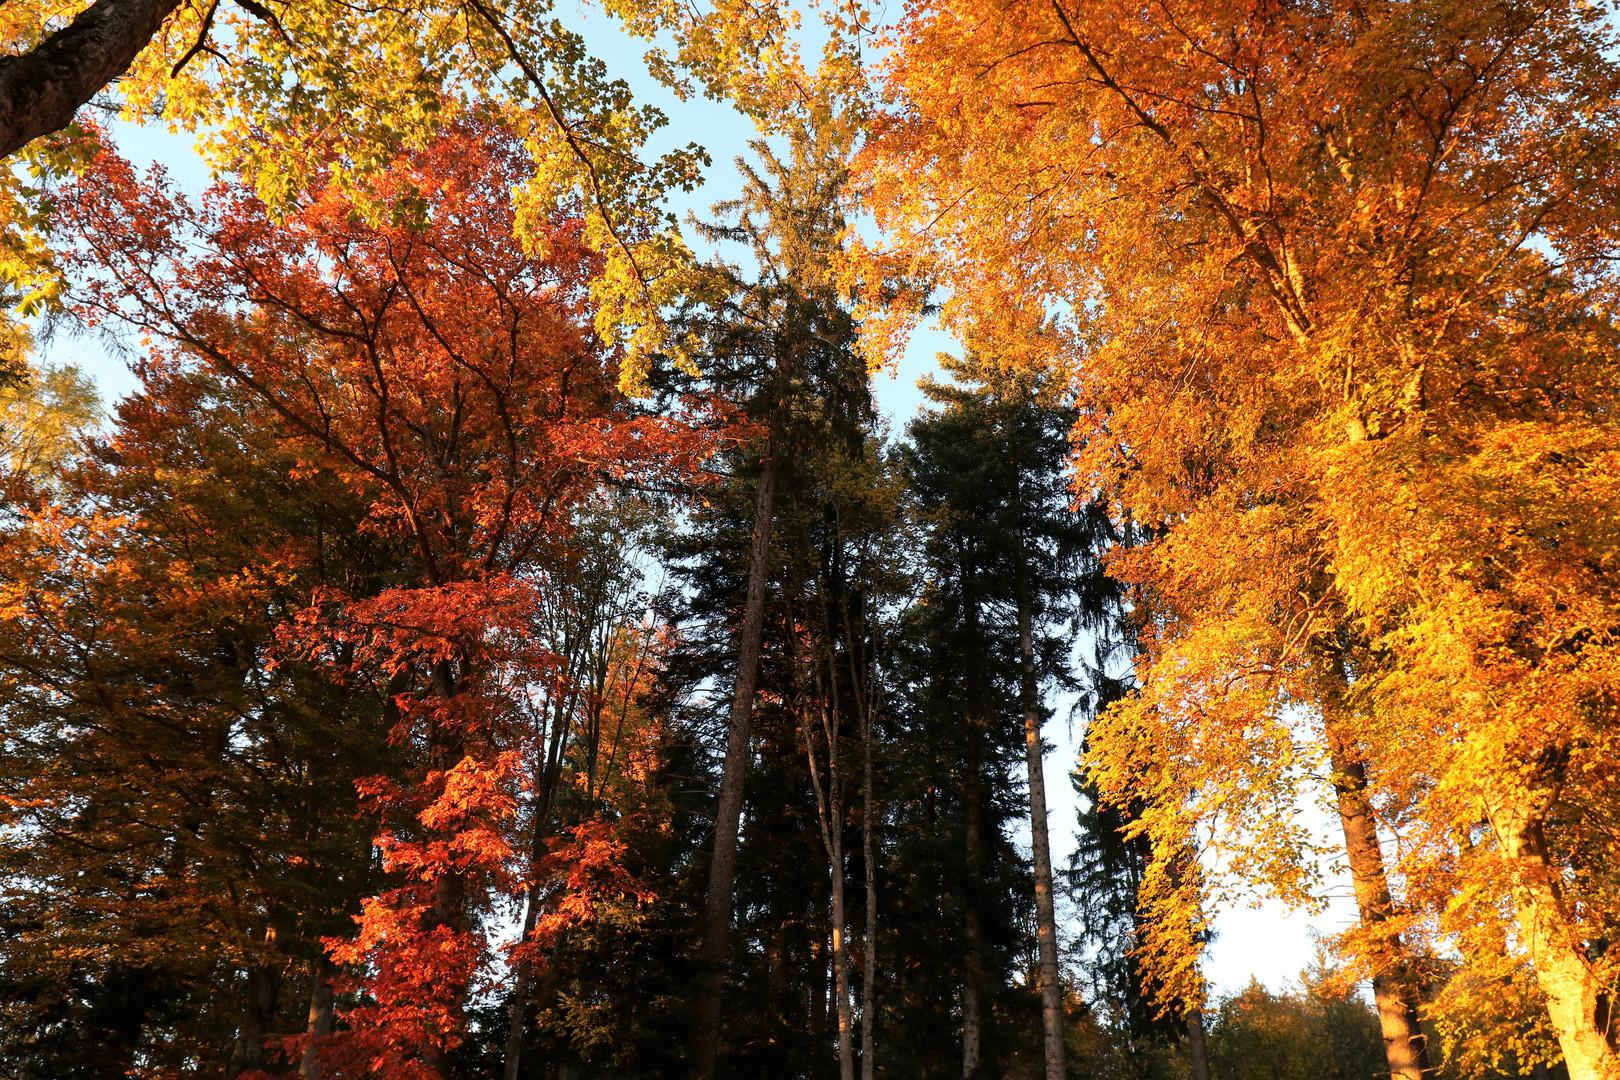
pixel 502 633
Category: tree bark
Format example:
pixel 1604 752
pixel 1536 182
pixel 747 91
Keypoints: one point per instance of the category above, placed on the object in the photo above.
pixel 320 1019
pixel 40 90
pixel 840 944
pixel 973 979
pixel 728 814
pixel 1394 991
pixel 869 970
pixel 263 987
pixel 1577 1007
pixel 1197 1046
pixel 1040 843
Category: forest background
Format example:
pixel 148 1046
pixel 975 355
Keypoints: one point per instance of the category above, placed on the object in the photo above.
pixel 405 1007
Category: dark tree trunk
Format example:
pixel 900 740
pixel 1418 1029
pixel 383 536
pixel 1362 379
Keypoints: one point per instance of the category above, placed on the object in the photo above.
pixel 1197 1046
pixel 728 814
pixel 40 90
pixel 258 1019
pixel 320 1019
pixel 973 976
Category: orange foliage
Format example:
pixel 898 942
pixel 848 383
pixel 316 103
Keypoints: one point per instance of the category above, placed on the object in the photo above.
pixel 451 379
pixel 1337 285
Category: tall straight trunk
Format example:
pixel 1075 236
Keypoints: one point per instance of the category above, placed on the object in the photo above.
pixel 1197 1045
pixel 869 970
pixel 1040 843
pixel 1395 992
pixel 518 1010
pixel 320 1019
pixel 973 979
pixel 728 814
pixel 830 817
pixel 1577 1005
pixel 840 945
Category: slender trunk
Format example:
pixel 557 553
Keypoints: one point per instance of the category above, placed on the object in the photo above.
pixel 728 814
pixel 869 971
pixel 1539 1071
pixel 517 1011
pixel 1576 1005
pixel 1394 992
pixel 830 816
pixel 320 1019
pixel 973 979
pixel 840 944
pixel 1196 1045
pixel 1040 844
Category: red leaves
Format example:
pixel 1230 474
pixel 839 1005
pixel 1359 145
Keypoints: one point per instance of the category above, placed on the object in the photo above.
pixel 450 379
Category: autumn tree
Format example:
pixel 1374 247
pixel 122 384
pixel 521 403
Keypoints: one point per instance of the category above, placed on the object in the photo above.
pixel 990 467
pixel 182 822
pixel 779 349
pixel 454 382
pixel 1341 283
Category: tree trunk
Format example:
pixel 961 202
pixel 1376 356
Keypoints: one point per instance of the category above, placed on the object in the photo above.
pixel 1197 1047
pixel 1045 915
pixel 840 944
pixel 1394 992
pixel 869 970
pixel 40 90
pixel 1577 1007
pixel 320 1019
pixel 517 1011
pixel 258 1019
pixel 973 979
pixel 728 814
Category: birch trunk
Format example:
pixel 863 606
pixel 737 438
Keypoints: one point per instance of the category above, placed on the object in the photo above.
pixel 1040 844
pixel 840 944
pixel 728 813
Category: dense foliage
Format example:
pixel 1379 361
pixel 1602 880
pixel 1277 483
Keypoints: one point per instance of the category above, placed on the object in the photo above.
pixel 493 641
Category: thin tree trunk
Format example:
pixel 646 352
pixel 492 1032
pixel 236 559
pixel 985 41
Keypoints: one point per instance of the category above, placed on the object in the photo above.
pixel 320 1019
pixel 1578 1009
pixel 973 979
pixel 869 971
pixel 1197 1046
pixel 728 814
pixel 517 1011
pixel 1394 992
pixel 1041 852
pixel 830 816
pixel 840 944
